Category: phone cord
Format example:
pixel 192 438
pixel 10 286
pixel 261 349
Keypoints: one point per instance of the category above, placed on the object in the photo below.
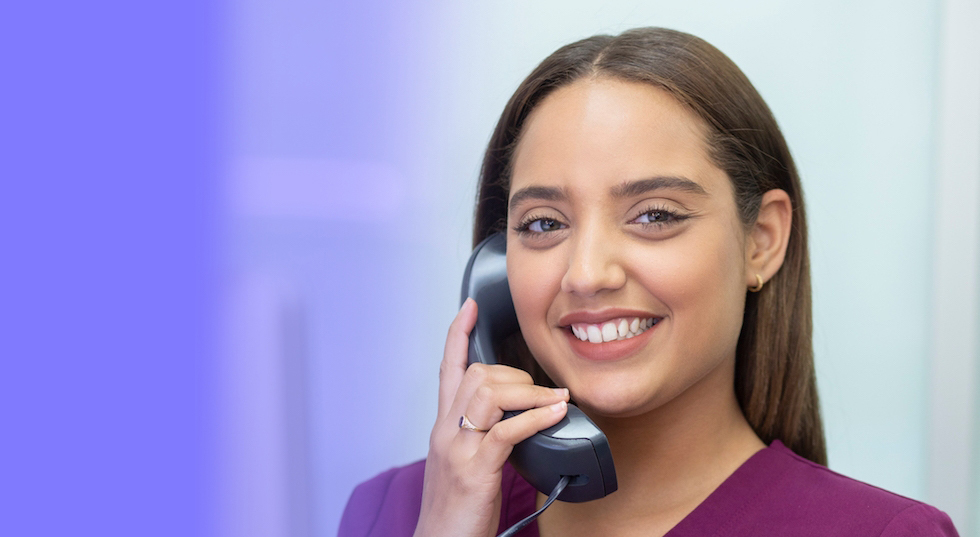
pixel 562 483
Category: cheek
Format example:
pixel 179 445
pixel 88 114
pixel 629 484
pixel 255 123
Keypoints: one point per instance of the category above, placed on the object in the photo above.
pixel 534 283
pixel 712 274
pixel 701 283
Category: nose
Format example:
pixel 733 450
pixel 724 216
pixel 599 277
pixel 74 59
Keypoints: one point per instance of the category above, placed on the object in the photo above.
pixel 593 266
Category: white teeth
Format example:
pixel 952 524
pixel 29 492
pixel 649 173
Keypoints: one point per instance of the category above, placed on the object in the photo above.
pixel 609 332
pixel 595 336
pixel 613 330
pixel 623 328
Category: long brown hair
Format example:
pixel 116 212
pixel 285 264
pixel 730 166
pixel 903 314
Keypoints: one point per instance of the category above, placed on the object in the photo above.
pixel 774 374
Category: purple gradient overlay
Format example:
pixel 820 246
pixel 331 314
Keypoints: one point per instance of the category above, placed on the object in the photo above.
pixel 110 152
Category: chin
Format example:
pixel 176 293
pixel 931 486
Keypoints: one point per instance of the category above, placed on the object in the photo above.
pixel 621 393
pixel 611 402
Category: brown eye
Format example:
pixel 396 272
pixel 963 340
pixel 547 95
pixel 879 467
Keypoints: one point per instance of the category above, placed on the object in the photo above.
pixel 656 216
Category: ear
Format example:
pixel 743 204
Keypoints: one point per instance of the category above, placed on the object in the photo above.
pixel 765 247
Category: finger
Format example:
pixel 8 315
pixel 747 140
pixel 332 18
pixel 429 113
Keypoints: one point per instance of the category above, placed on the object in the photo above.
pixel 477 375
pixel 498 443
pixel 453 365
pixel 489 402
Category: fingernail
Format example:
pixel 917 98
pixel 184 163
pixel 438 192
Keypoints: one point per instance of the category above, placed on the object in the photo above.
pixel 561 392
pixel 559 406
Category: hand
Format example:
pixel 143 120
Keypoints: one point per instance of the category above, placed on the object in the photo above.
pixel 461 493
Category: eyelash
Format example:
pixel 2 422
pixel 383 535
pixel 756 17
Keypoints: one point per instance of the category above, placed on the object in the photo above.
pixel 672 218
pixel 524 227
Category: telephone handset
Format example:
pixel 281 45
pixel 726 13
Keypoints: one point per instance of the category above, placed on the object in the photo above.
pixel 573 447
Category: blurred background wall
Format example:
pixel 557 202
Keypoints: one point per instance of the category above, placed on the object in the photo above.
pixel 355 138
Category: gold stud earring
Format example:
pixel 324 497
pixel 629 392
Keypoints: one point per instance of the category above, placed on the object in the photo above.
pixel 757 287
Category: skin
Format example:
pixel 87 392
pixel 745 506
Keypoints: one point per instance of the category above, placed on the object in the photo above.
pixel 581 243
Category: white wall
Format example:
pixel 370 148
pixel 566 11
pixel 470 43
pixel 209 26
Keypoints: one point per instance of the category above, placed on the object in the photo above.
pixel 953 444
pixel 334 101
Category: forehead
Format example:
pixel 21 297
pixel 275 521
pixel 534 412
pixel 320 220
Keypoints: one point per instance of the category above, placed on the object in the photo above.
pixel 598 133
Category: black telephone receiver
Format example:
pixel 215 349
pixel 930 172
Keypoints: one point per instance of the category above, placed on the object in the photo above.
pixel 573 447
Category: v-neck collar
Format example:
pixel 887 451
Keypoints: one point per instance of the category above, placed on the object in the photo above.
pixel 723 508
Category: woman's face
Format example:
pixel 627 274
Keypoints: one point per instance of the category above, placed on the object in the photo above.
pixel 619 219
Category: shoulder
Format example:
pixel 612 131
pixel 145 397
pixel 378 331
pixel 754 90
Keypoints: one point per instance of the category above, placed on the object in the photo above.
pixel 920 519
pixel 800 493
pixel 387 504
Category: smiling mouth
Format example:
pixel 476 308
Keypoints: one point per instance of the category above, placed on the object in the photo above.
pixel 614 330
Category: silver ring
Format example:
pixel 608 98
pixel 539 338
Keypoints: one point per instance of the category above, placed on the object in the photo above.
pixel 465 423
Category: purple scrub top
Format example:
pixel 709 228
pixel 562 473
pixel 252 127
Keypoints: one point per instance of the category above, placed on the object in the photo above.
pixel 775 492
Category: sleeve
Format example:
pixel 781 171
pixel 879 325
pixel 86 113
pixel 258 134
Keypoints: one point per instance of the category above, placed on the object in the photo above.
pixel 387 505
pixel 920 520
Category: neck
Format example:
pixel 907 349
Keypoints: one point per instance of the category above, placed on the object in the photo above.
pixel 668 461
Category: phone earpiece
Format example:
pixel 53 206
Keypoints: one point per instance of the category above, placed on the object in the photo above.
pixel 575 446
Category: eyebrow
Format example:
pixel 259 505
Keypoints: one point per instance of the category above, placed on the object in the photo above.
pixel 627 189
pixel 546 193
pixel 642 186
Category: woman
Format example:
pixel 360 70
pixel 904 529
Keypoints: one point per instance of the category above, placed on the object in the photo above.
pixel 657 257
